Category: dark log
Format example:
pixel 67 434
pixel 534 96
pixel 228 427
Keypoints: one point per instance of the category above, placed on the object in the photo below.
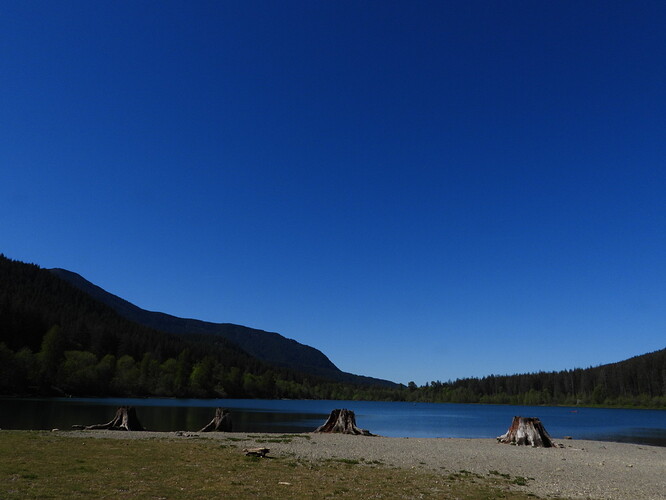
pixel 256 452
pixel 342 422
pixel 527 431
pixel 220 423
pixel 124 420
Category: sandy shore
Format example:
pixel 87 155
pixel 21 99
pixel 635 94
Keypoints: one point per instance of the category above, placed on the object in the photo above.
pixel 581 469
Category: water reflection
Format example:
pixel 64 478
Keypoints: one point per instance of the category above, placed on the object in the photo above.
pixel 387 419
pixel 163 416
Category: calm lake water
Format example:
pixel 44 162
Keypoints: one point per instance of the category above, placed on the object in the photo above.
pixel 386 419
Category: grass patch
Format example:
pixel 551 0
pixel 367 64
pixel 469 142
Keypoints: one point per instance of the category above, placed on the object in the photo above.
pixel 517 480
pixel 283 438
pixel 497 473
pixel 348 461
pixel 46 465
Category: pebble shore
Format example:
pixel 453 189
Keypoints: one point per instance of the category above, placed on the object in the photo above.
pixel 579 469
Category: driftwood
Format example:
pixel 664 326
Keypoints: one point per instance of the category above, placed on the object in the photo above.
pixel 221 422
pixel 124 420
pixel 256 452
pixel 527 431
pixel 342 422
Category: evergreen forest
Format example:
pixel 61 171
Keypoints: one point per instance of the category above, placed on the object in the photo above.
pixel 56 340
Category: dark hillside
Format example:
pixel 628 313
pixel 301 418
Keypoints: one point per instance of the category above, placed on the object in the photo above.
pixel 57 339
pixel 34 303
pixel 270 347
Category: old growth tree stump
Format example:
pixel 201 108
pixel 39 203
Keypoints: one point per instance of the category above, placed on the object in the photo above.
pixel 124 420
pixel 221 422
pixel 527 431
pixel 342 422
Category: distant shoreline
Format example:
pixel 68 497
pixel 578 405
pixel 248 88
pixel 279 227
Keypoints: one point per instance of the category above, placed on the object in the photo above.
pixel 69 396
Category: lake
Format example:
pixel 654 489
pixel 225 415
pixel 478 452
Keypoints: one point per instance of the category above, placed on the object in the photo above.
pixel 394 419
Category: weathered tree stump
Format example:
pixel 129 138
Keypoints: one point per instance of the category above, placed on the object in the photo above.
pixel 124 420
pixel 220 423
pixel 342 422
pixel 527 431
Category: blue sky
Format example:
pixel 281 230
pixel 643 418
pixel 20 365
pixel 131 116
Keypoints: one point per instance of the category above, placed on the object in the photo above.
pixel 421 190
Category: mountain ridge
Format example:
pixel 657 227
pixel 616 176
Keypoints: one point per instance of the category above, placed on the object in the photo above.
pixel 56 339
pixel 270 347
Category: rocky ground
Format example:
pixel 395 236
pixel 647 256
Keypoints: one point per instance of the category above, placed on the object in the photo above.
pixel 579 469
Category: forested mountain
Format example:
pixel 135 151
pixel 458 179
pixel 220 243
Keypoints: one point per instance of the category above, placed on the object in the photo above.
pixel 267 346
pixel 56 338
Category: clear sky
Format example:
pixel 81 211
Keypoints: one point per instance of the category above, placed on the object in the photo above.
pixel 423 190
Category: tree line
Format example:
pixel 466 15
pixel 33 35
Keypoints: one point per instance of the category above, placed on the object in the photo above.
pixel 57 340
pixel 636 382
pixel 57 371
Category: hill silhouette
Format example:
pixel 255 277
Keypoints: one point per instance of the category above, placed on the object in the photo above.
pixel 58 338
pixel 60 334
pixel 266 346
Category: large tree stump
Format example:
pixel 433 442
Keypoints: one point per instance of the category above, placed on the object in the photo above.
pixel 221 422
pixel 342 422
pixel 124 420
pixel 527 431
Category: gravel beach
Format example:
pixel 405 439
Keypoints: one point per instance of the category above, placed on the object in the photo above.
pixel 579 469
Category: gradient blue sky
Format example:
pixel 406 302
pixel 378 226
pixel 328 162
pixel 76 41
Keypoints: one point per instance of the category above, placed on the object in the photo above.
pixel 421 190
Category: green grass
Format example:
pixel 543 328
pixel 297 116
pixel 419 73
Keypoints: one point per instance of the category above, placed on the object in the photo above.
pixel 517 480
pixel 348 461
pixel 46 465
pixel 282 438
